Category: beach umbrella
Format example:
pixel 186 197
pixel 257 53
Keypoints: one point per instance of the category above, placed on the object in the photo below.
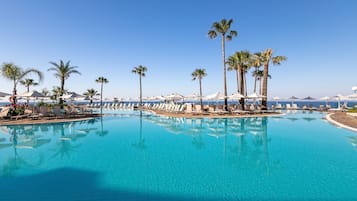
pixel 309 98
pixel 254 96
pixel 276 98
pixel 354 88
pixel 214 96
pixel 3 94
pixel 339 97
pixel 325 98
pixel 352 96
pixel 236 96
pixel 32 94
pixel 193 96
pixel 160 98
pixel 174 97
pixel 292 98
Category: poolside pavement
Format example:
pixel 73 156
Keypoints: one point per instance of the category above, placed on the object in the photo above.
pixel 343 119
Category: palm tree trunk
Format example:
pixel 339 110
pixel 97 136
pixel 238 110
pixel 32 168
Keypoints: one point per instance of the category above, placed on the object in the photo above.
pixel 224 73
pixel 101 95
pixel 14 93
pixel 245 83
pixel 201 94
pixel 28 90
pixel 241 74
pixel 260 86
pixel 141 92
pixel 265 84
pixel 255 83
pixel 61 92
pixel 237 76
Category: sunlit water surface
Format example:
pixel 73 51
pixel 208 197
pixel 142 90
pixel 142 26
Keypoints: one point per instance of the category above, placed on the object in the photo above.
pixel 132 155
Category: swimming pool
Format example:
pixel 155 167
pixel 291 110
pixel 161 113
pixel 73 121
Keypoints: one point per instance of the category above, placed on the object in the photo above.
pixel 132 155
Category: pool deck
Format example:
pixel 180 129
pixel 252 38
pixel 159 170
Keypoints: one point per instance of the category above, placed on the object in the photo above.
pixel 28 121
pixel 340 119
pixel 214 115
pixel 343 120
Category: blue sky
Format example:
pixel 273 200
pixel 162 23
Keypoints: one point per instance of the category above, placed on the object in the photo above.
pixel 108 38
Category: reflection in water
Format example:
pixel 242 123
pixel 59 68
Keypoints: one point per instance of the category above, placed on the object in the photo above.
pixel 353 141
pixel 19 138
pixel 102 132
pixel 140 145
pixel 32 137
pixel 245 141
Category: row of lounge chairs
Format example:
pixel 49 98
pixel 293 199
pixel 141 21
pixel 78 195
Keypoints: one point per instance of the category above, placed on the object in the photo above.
pixel 33 112
pixel 113 105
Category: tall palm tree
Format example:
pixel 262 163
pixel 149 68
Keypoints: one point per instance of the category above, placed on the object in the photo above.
pixel 240 61
pixel 15 74
pixel 140 70
pixel 199 73
pixel 63 71
pixel 101 80
pixel 90 93
pixel 223 28
pixel 267 57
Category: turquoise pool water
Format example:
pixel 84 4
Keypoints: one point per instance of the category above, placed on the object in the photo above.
pixel 128 155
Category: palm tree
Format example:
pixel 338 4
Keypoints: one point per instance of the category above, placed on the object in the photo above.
pixel 101 80
pixel 90 93
pixel 223 28
pixel 140 70
pixel 199 73
pixel 45 92
pixel 28 82
pixel 63 71
pixel 259 75
pixel 256 62
pixel 267 57
pixel 240 61
pixel 56 92
pixel 15 74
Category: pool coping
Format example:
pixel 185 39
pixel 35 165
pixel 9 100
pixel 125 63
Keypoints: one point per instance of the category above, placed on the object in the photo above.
pixel 338 124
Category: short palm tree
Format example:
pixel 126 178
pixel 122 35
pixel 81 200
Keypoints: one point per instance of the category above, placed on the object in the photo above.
pixel 267 57
pixel 256 62
pixel 63 71
pixel 57 92
pixel 28 82
pixel 223 28
pixel 199 73
pixel 140 70
pixel 101 80
pixel 15 74
pixel 259 76
pixel 91 93
pixel 45 92
pixel 240 61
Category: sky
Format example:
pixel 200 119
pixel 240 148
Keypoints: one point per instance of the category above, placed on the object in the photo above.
pixel 110 37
